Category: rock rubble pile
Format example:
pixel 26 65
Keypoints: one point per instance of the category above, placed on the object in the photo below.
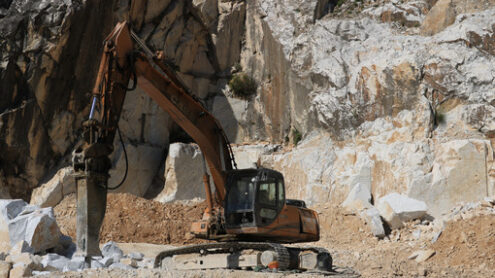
pixel 31 244
pixel 35 226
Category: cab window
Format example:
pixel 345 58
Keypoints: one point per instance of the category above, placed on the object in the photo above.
pixel 281 195
pixel 241 195
pixel 268 194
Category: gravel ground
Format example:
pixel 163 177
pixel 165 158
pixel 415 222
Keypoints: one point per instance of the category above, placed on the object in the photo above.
pixel 465 248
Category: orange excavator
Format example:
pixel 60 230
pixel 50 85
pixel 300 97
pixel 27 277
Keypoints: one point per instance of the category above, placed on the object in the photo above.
pixel 247 215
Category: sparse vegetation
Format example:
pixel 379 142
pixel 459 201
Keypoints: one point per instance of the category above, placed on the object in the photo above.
pixel 296 136
pixel 340 2
pixel 242 85
pixel 236 68
pixel 439 118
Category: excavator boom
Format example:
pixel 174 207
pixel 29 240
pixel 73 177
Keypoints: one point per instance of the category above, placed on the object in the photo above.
pixel 191 116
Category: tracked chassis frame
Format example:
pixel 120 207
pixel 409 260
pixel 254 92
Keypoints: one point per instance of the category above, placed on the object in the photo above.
pixel 244 255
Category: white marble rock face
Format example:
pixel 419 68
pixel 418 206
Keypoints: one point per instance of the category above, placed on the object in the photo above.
pixel 397 100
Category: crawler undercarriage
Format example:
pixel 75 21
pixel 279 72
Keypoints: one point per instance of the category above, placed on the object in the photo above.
pixel 244 255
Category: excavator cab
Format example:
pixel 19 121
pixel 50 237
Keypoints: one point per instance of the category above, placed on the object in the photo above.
pixel 254 197
pixel 255 208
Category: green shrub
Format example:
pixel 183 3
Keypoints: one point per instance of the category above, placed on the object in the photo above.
pixel 296 136
pixel 439 118
pixel 237 67
pixel 242 85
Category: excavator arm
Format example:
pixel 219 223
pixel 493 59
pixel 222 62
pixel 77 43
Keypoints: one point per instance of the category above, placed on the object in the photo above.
pixel 121 62
pixel 191 116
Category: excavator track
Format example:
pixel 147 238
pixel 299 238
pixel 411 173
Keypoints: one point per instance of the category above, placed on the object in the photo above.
pixel 287 257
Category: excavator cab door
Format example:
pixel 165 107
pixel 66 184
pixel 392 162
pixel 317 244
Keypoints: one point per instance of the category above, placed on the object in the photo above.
pixel 239 203
pixel 270 197
pixel 255 197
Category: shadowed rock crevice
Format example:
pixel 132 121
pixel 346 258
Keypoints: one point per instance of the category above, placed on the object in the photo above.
pixel 324 7
pixel 51 60
pixel 5 4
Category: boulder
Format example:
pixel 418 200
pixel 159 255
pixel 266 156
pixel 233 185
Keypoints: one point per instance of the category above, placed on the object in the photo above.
pixel 107 261
pixel 54 262
pixel 5 269
pixel 389 216
pixel 359 198
pixel 372 218
pixel 396 209
pixel 21 247
pixel 28 209
pixel 183 174
pixel 9 209
pixel 20 271
pixel 96 264
pixel 52 192
pixel 23 264
pixel 136 256
pixel 75 264
pixel 129 261
pixel 39 229
pixel 440 17
pixel 110 249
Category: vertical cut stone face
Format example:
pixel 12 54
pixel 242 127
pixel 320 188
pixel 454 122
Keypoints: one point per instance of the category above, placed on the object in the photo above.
pixel 459 175
pixel 388 90
pixel 48 62
pixel 440 17
pixel 49 54
pixel 183 174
